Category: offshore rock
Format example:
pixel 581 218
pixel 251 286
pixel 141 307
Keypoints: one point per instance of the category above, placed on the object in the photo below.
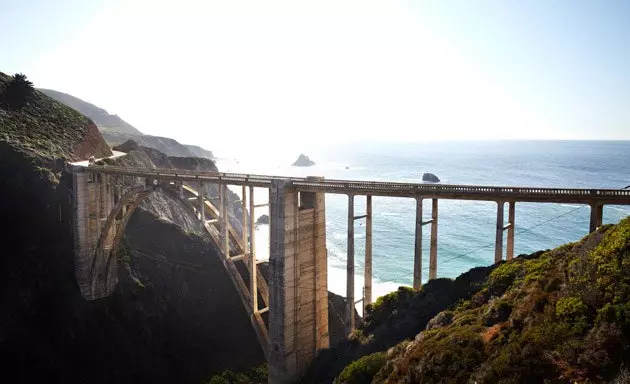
pixel 303 161
pixel 430 177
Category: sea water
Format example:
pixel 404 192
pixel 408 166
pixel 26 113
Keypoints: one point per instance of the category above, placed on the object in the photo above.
pixel 466 228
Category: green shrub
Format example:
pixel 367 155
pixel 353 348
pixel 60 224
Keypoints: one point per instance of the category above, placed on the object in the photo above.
pixel 362 371
pixel 257 375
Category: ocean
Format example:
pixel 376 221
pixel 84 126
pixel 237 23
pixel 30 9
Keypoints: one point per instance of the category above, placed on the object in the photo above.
pixel 466 229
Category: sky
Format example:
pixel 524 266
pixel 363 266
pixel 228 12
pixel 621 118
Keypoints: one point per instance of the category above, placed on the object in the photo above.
pixel 283 72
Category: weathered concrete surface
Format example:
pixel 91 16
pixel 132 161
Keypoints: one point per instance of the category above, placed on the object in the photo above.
pixel 298 319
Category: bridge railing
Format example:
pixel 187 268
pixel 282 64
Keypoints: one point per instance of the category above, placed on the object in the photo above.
pixel 368 187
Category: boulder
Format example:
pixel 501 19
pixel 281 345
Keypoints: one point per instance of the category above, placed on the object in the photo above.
pixel 430 178
pixel 303 161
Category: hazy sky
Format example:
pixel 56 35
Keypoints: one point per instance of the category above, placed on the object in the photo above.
pixel 207 71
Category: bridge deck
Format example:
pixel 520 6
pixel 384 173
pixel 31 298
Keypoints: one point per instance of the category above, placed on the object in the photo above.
pixel 393 189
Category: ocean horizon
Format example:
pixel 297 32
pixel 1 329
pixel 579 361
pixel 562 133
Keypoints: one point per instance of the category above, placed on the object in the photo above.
pixel 466 228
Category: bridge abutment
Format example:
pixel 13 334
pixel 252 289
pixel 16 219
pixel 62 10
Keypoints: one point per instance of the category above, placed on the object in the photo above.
pixel 93 201
pixel 298 281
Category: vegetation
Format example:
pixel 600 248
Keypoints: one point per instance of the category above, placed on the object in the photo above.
pixel 44 127
pixel 256 375
pixel 17 92
pixel 558 316
pixel 363 370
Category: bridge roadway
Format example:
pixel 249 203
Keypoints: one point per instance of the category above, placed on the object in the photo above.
pixel 391 189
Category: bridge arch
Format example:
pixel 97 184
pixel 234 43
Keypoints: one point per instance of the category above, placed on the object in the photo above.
pixel 103 271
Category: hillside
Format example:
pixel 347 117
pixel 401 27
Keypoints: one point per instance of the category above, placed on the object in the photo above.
pixel 560 316
pixel 116 131
pixel 105 121
pixel 46 129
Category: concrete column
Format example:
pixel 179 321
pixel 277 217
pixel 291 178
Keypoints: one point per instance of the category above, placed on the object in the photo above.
pixel 244 219
pixel 510 234
pixel 253 283
pixel 181 190
pixel 367 284
pixel 498 245
pixel 597 214
pixel 225 221
pixel 298 297
pixel 350 320
pixel 434 244
pixel 202 207
pixel 417 262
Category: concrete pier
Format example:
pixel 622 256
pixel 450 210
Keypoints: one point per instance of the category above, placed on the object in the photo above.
pixel 367 284
pixel 298 308
pixel 417 260
pixel 350 320
pixel 433 253
pixel 498 245
pixel 597 214
pixel 510 229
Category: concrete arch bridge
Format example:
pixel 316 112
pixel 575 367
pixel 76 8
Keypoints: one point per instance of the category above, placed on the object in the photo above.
pixel 290 311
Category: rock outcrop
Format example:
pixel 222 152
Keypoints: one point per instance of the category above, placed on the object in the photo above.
pixel 262 220
pixel 430 177
pixel 303 161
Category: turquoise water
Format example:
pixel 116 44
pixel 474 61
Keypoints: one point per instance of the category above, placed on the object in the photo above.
pixel 466 229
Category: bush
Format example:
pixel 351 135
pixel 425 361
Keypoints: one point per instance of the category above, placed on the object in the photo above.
pixel 17 92
pixel 257 375
pixel 363 370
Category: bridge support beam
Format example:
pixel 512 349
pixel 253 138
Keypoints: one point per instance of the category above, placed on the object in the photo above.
pixel 298 299
pixel 433 253
pixel 251 249
pixel 417 260
pixel 498 245
pixel 597 215
pixel 367 283
pixel 350 320
pixel 510 230
pixel 202 205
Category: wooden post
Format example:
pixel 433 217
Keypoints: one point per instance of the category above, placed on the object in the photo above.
pixel 417 261
pixel 367 284
pixel 434 233
pixel 253 283
pixel 498 245
pixel 350 268
pixel 510 234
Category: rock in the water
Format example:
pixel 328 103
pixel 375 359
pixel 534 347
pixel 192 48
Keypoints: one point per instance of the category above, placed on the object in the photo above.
pixel 264 219
pixel 303 161
pixel 430 177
